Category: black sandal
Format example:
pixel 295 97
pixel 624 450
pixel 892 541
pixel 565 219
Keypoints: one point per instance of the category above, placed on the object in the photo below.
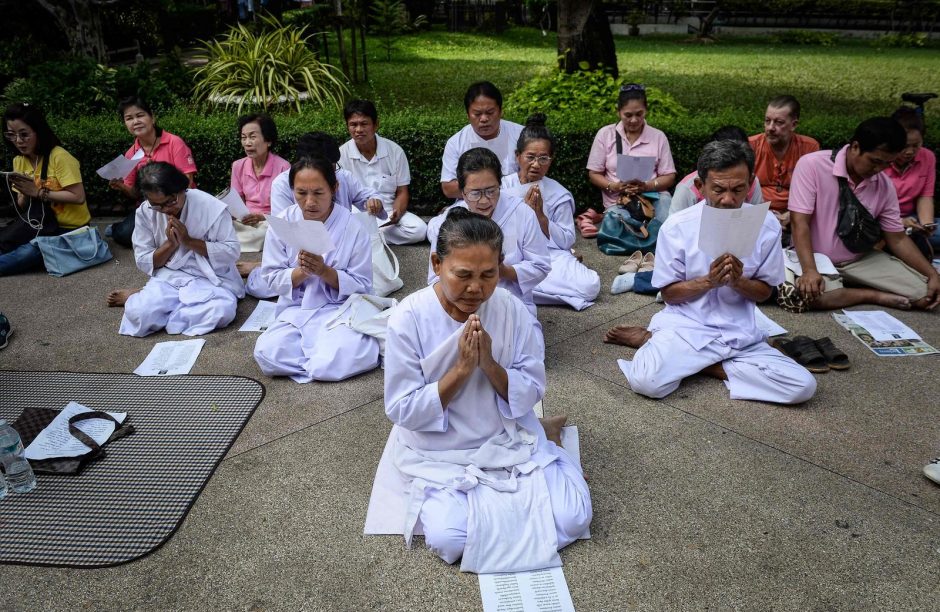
pixel 836 359
pixel 803 350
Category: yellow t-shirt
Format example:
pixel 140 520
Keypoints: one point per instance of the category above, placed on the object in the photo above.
pixel 63 171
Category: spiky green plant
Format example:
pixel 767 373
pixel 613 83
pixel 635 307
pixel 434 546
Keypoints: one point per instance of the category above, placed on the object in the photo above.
pixel 265 69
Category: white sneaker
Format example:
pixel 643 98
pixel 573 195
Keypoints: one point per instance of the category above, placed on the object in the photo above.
pixel 932 470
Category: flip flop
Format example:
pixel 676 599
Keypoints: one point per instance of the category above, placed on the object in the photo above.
pixel 836 359
pixel 587 229
pixel 592 215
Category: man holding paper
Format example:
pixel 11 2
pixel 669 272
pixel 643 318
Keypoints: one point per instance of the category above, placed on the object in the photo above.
pixel 710 285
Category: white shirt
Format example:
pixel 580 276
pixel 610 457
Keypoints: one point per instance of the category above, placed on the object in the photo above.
pixel 558 206
pixel 721 313
pixel 350 192
pixel 504 145
pixel 384 173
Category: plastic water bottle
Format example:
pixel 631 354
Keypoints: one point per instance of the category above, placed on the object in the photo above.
pixel 19 475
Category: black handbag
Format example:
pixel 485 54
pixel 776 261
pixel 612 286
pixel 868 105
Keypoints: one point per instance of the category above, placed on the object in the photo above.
pixel 857 229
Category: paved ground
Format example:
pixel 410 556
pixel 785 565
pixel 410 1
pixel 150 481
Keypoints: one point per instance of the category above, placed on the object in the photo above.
pixel 700 502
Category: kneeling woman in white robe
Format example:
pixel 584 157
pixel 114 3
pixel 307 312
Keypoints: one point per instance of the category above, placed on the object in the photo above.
pixel 525 261
pixel 312 288
pixel 463 372
pixel 569 283
pixel 184 240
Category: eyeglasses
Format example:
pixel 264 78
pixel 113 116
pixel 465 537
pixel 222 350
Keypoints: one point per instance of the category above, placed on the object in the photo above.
pixel 542 159
pixel 18 136
pixel 167 203
pixel 475 195
pixel 632 87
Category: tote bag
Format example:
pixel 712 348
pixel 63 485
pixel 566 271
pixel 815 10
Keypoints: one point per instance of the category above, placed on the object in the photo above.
pixel 76 250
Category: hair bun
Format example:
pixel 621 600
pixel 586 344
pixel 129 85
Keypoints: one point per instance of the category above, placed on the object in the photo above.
pixel 536 120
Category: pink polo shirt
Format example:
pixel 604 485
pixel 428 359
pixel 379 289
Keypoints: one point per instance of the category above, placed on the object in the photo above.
pixel 255 190
pixel 814 190
pixel 915 181
pixel 603 157
pixel 170 148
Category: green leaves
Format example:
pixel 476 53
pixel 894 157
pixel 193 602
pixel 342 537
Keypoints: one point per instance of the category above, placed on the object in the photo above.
pixel 266 69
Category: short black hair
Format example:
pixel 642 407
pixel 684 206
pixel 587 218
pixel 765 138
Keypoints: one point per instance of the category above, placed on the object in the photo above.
pixel 140 103
pixel 631 91
pixel 485 89
pixel 321 144
pixel 162 177
pixel 729 132
pixel 535 130
pixel 724 154
pixel 788 102
pixel 264 121
pixel 360 107
pixel 880 133
pixel 462 228
pixel 477 160
pixel 910 119
pixel 46 140
pixel 314 162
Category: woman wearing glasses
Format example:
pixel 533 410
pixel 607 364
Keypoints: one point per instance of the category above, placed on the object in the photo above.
pixel 184 241
pixel 631 136
pixel 569 282
pixel 525 260
pixel 46 185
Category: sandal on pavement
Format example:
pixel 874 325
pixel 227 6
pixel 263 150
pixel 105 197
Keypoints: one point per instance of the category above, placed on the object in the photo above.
pixel 587 229
pixel 789 298
pixel 632 263
pixel 836 359
pixel 647 264
pixel 932 470
pixel 803 351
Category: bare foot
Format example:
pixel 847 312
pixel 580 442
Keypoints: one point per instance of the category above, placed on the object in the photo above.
pixel 118 297
pixel 892 300
pixel 245 267
pixel 627 335
pixel 577 256
pixel 552 426
pixel 715 370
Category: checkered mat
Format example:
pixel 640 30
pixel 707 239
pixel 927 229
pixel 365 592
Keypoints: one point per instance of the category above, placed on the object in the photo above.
pixel 128 503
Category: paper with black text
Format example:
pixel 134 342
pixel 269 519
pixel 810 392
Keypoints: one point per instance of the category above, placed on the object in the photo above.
pixel 635 168
pixel 119 167
pixel 304 235
pixel 171 358
pixel 56 441
pixel 537 591
pixel 236 207
pixel 261 318
pixel 731 230
pixel 881 326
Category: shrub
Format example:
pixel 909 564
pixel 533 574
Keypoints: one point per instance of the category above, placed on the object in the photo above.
pixel 806 37
pixel 266 69
pixel 913 40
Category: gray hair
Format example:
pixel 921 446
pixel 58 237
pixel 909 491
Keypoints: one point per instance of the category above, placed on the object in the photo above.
pixel 724 154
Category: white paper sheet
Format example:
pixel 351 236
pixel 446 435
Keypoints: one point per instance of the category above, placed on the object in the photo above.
pixel 731 230
pixel 538 591
pixel 261 318
pixel 635 168
pixel 56 441
pixel 171 358
pixel 310 236
pixel 767 325
pixel 824 265
pixel 236 207
pixel 120 166
pixel 881 326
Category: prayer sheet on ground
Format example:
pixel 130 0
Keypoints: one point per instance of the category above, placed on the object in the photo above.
pixel 766 324
pixel 56 441
pixel 882 326
pixel 119 167
pixel 889 348
pixel 236 207
pixel 542 590
pixel 304 235
pixel 731 230
pixel 261 318
pixel 635 168
pixel 171 358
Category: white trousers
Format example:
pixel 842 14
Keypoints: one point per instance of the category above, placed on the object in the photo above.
pixel 410 229
pixel 444 512
pixel 569 283
pixel 255 286
pixel 757 372
pixel 192 310
pixel 313 352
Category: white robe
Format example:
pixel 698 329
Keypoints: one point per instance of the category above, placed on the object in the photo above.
pixel 717 327
pixel 569 282
pixel 525 247
pixel 504 145
pixel 479 478
pixel 190 294
pixel 299 344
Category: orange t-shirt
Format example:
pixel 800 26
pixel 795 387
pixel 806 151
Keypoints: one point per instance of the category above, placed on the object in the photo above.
pixel 775 174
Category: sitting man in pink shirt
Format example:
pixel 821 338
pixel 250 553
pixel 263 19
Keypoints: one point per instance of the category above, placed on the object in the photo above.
pixel 905 280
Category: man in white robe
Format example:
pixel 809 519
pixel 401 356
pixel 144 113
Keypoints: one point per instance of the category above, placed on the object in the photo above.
pixel 708 324
pixel 194 286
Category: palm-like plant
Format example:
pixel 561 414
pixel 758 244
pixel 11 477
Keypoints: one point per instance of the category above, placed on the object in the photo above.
pixel 267 68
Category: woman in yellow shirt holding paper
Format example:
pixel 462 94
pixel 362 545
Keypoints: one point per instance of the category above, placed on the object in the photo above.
pixel 46 184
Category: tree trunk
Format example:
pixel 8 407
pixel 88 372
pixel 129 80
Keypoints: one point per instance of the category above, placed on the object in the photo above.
pixel 584 38
pixel 362 45
pixel 80 23
pixel 708 22
pixel 355 56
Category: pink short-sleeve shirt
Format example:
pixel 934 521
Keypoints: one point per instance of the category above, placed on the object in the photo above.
pixel 603 156
pixel 916 181
pixel 170 148
pixel 255 190
pixel 814 190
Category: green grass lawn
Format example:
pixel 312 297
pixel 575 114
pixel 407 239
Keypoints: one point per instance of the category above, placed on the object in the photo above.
pixel 430 72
